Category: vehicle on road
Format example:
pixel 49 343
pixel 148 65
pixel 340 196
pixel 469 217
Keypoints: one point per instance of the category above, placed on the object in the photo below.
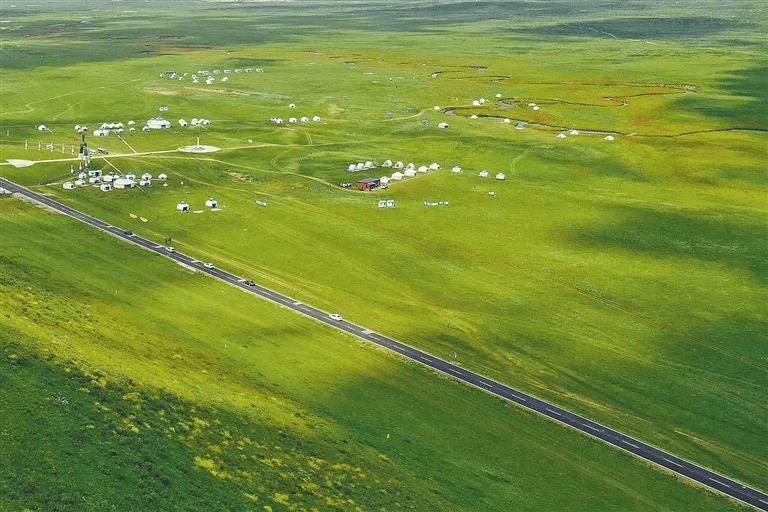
pixel 128 232
pixel 249 283
pixel 335 316
pixel 170 249
pixel 208 265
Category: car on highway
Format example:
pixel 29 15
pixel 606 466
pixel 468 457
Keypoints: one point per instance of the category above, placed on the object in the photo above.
pixel 249 283
pixel 208 265
pixel 128 232
pixel 170 249
pixel 335 316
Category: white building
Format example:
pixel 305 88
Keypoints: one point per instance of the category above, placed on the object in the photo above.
pixel 305 119
pixel 387 163
pixel 212 203
pixel 100 133
pixel 501 176
pixel 162 177
pixel 182 206
pixel 145 183
pixel 146 176
pixel 423 169
pixel 384 180
pixel 131 176
pixel 483 174
pixel 368 164
pixel 292 120
pixel 398 165
pixel 158 123
pixel 409 173
pixel 456 168
pixel 80 182
pixel 292 105
pixel 68 185
pixel 560 135
pixel 131 130
pixel 105 187
pixel 124 183
pixel 351 168
pixel 443 125
pixel 316 119
pixel 397 176
pixel 42 128
pixel 182 122
pixel 146 129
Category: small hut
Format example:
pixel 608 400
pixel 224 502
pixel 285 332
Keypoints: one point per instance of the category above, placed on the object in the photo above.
pixel 212 203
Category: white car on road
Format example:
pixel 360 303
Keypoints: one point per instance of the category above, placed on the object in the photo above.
pixel 335 316
pixel 208 265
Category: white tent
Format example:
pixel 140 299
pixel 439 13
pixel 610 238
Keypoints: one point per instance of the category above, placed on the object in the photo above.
pixel 146 129
pixel 609 137
pixel 443 125
pixel 94 173
pixel 384 180
pixel 368 164
pixel 82 175
pixel 473 116
pixel 316 118
pixel 456 168
pixel 398 165
pixel 131 123
pixel 145 183
pixel 397 176
pixel 109 178
pixel 501 176
pixel 182 206
pixel 507 120
pixel 120 131
pixel 410 166
pixel 483 174
pixel 68 185
pixel 437 107
pixel 124 183
pixel 130 176
pixel 292 120
pixel 360 166
pixel 387 163
pixel 423 169
pixel 131 130
pixel 475 103
pixel 560 135
pixel 292 105
pixel 182 122
pixel 146 176
pixel 225 79
pixel 536 107
pixel 305 119
pixel 574 132
pixel 80 183
pixel 498 95
pixel 351 167
pixel 105 187
pixel 77 127
pixel 100 133
pixel 42 128
pixel 159 123
pixel 434 166
pixel 410 172
pixel 162 176
pixel 211 203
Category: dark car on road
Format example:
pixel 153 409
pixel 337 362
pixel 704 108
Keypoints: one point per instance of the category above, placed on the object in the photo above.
pixel 249 283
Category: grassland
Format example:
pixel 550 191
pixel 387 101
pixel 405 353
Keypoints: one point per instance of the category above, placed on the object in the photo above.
pixel 623 280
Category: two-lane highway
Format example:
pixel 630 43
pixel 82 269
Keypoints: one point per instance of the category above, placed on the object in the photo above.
pixel 629 444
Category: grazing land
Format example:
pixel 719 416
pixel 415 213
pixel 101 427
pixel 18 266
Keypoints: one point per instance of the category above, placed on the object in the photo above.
pixel 622 279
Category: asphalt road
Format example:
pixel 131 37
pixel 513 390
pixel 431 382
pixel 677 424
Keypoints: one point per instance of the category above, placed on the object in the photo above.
pixel 629 444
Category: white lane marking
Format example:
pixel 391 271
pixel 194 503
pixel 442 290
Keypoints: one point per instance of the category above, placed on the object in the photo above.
pixel 455 372
pixel 719 481
pixel 367 331
pixel 630 444
pixel 672 462
pixel 553 412
pixel 763 501
pixel 593 428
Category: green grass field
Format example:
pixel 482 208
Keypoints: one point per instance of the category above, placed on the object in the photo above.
pixel 624 280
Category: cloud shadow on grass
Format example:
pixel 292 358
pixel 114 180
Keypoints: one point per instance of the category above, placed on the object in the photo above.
pixel 672 235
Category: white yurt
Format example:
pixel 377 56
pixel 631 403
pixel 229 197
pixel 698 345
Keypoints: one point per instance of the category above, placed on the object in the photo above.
pixel 292 105
pixel 351 168
pixel 475 103
pixel 443 125
pixel 305 119
pixel 182 206
pixel 124 183
pixel 146 176
pixel 384 180
pixel 473 116
pixel 398 165
pixel 410 166
pixel 387 163
pixel 292 120
pixel 105 187
pixel 507 120
pixel 434 166
pixel 501 176
pixel 80 182
pixel 609 137
pixel 212 203
pixel 483 174
pixel 423 169
pixel 368 164
pixel 360 166
pixel 316 118
pixel 68 185
pixel 456 168
pixel 410 173
pixel 574 132
pixel 145 183
pixel 42 128
pixel 162 176
pixel 560 135
pixel 397 176
pixel 130 176
pixel 437 107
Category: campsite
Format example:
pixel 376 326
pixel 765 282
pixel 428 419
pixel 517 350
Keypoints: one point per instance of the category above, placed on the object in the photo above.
pixel 574 205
